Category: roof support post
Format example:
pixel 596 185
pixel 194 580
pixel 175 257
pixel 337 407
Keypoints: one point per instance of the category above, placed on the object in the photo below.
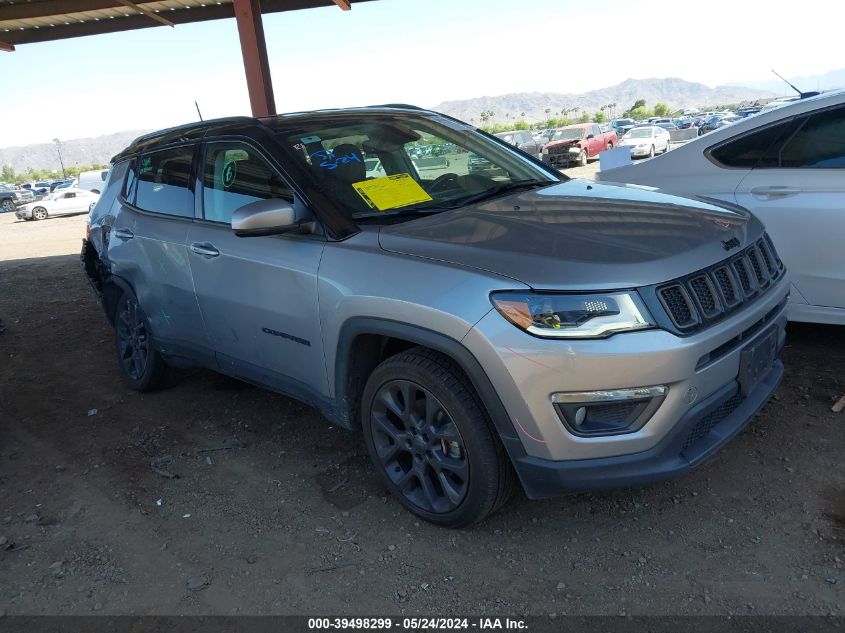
pixel 254 50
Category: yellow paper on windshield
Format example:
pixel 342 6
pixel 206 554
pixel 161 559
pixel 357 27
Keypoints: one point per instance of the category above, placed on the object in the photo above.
pixel 391 192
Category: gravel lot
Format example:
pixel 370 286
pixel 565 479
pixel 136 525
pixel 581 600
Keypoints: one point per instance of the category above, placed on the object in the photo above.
pixel 289 518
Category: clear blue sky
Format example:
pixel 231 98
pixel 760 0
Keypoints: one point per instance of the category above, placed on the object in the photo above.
pixel 417 51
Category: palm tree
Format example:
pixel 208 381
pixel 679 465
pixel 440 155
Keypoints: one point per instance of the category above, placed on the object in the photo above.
pixel 523 116
pixel 548 111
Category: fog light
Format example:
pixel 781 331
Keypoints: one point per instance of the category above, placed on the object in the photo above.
pixel 593 413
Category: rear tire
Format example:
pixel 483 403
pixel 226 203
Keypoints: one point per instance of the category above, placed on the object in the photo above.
pixel 142 366
pixel 609 146
pixel 431 441
pixel 8 205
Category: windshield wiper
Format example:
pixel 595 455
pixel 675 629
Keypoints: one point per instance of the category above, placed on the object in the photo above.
pixel 506 187
pixel 418 211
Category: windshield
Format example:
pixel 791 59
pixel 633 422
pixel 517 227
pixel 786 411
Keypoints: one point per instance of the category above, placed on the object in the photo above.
pixel 375 165
pixel 639 132
pixel 568 133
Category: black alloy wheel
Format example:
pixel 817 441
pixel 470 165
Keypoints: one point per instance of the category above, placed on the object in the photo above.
pixel 419 446
pixel 133 343
pixel 432 441
pixel 143 367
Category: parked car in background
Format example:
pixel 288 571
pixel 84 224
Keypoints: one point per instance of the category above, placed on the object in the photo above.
pixel 480 333
pixel 621 126
pixel 11 197
pixel 60 183
pixel 645 141
pixel 787 166
pixel 714 122
pixel 66 185
pixel 62 202
pixel 94 180
pixel 522 139
pixel 576 144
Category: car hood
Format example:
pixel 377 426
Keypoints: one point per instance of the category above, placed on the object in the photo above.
pixel 563 142
pixel 579 235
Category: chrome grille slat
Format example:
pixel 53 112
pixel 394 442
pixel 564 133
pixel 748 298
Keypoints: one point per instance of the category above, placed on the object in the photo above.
pixel 706 295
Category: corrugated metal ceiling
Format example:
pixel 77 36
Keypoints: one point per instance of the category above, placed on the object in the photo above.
pixel 28 21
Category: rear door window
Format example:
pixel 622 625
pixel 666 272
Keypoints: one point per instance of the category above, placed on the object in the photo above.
pixel 818 144
pixel 164 182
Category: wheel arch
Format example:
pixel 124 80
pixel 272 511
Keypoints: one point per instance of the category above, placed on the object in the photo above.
pixel 364 342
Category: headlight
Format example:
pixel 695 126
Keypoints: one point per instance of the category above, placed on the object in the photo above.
pixel 557 315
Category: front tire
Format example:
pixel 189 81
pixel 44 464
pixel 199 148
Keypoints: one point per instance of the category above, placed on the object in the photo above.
pixel 143 367
pixel 582 158
pixel 431 441
pixel 651 152
pixel 39 213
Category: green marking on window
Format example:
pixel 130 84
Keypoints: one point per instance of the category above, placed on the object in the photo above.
pixel 230 172
pixel 166 317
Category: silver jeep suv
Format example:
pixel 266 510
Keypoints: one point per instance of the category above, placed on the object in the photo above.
pixel 481 329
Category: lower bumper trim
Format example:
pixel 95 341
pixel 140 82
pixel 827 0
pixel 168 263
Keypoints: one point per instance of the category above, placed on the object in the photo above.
pixel 696 437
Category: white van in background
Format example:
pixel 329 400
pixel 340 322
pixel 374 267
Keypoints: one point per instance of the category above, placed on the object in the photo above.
pixel 93 180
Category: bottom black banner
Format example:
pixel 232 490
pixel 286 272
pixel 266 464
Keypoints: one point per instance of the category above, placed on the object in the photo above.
pixel 406 623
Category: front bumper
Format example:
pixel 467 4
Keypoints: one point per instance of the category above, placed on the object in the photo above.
pixel 700 433
pixel 23 213
pixel 561 157
pixel 638 151
pixel 701 371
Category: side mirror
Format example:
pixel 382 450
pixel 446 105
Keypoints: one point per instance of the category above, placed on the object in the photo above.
pixel 265 217
pixel 589 136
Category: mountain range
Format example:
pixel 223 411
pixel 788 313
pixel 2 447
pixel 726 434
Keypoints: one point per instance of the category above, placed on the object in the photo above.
pixel 678 93
pixel 78 151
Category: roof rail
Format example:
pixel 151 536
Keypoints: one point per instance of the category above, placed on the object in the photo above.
pixel 187 127
pixel 407 106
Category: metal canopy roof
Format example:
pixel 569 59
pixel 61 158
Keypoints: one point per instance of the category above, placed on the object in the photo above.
pixel 29 21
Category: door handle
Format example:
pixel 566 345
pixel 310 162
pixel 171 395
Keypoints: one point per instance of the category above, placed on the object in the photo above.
pixel 124 234
pixel 205 249
pixel 775 191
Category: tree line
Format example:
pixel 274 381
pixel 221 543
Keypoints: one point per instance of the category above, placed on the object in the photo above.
pixel 9 175
pixel 638 111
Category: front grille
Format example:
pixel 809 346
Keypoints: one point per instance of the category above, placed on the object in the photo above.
pixel 705 424
pixel 676 301
pixel 709 294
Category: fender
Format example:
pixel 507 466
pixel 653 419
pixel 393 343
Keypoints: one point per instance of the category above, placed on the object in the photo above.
pixel 434 340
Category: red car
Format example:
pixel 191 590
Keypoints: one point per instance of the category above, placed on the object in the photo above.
pixel 576 144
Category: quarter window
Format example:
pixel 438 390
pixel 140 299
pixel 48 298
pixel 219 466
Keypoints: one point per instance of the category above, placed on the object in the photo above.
pixel 235 175
pixel 753 150
pixel 164 182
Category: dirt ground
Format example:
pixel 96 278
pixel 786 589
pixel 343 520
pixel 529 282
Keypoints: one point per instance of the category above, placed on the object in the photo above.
pixel 259 507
